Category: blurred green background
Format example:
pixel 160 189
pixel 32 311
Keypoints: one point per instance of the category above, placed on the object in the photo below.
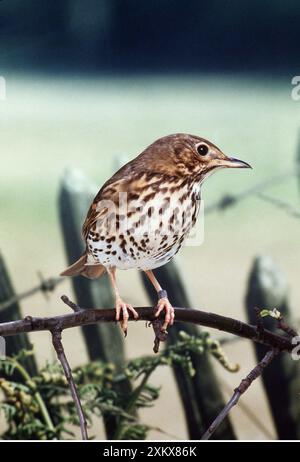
pixel 90 84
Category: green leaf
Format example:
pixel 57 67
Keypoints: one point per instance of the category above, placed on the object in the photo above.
pixel 272 313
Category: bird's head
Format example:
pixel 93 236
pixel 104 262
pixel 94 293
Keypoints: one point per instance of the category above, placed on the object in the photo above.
pixel 190 155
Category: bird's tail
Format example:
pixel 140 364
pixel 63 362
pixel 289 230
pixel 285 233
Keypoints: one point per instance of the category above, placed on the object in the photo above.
pixel 80 267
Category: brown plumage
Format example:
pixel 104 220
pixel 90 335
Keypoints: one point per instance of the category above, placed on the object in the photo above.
pixel 144 212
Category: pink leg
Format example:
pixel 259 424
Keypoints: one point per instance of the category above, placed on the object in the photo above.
pixel 121 306
pixel 163 302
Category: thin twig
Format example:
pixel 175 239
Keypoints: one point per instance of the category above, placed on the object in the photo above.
pixel 243 386
pixel 250 414
pixel 286 328
pixel 84 317
pixel 58 346
pixel 160 336
pixel 254 374
pixel 259 321
pixel 71 304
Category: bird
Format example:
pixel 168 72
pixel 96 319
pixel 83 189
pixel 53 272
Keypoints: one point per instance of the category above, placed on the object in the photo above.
pixel 143 214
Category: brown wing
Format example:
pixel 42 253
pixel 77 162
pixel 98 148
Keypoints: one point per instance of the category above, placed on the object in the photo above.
pixel 122 181
pixel 145 170
pixel 96 211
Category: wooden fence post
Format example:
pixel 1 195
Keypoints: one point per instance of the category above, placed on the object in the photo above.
pixel 102 341
pixel 267 288
pixel 11 313
pixel 201 396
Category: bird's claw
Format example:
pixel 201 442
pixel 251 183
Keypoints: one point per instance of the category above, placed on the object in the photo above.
pixel 122 307
pixel 164 304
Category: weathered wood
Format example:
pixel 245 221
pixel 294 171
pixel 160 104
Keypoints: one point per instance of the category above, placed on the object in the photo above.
pixel 267 288
pixel 12 313
pixel 102 341
pixel 200 395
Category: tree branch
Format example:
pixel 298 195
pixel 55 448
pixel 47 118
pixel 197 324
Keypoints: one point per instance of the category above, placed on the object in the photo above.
pixel 82 317
pixel 58 346
pixel 254 374
pixel 243 386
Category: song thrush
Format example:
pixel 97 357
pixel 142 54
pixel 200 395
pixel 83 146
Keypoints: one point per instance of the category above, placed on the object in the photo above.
pixel 144 212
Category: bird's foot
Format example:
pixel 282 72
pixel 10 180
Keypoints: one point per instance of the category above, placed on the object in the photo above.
pixel 123 307
pixel 163 304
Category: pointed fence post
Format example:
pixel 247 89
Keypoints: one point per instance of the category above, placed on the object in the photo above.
pixel 103 341
pixel 267 288
pixel 200 395
pixel 15 343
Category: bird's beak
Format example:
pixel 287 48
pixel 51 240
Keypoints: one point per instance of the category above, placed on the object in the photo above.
pixel 231 162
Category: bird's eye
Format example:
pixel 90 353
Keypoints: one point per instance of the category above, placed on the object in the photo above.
pixel 202 149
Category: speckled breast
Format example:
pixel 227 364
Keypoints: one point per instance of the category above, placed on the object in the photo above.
pixel 145 232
